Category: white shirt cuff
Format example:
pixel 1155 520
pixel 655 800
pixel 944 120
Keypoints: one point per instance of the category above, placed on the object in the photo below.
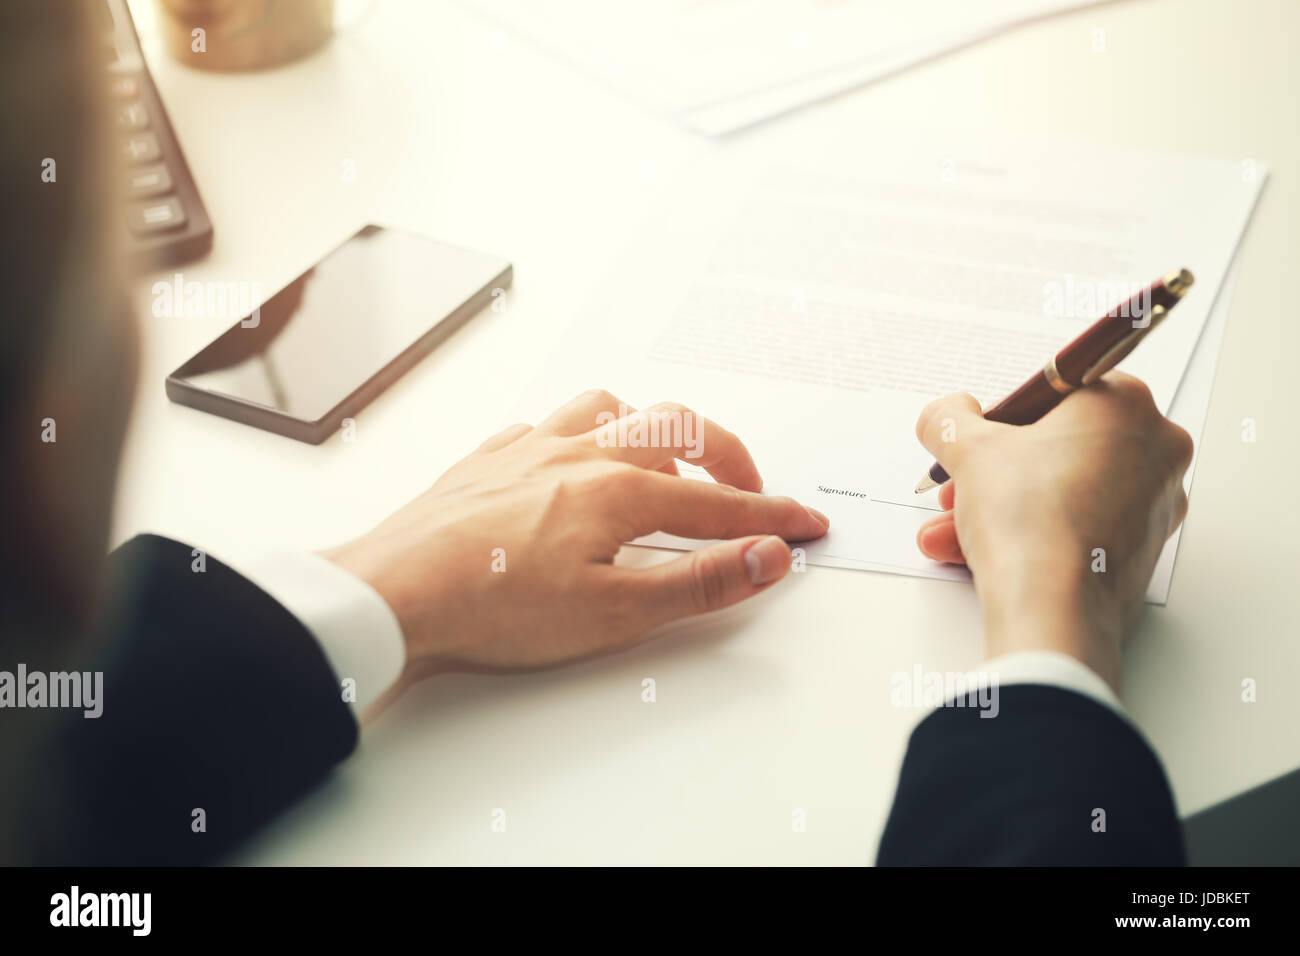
pixel 354 626
pixel 1046 667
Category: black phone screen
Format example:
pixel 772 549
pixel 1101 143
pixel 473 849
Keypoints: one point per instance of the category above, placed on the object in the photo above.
pixel 343 322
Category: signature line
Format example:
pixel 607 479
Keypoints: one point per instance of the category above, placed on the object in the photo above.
pixel 900 504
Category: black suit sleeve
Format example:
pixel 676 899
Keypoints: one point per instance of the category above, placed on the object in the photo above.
pixel 215 698
pixel 1025 787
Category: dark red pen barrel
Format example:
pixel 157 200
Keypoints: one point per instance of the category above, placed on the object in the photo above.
pixel 1037 397
pixel 1025 405
pixel 1107 332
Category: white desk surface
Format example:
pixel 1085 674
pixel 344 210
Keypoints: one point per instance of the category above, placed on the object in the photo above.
pixel 459 131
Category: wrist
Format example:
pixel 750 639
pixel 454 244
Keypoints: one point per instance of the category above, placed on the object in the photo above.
pixel 358 562
pixel 1051 605
pixel 421 593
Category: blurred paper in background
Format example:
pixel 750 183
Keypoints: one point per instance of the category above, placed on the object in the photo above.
pixel 719 65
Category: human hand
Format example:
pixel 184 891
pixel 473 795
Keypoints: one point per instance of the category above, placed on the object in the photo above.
pixel 1061 522
pixel 507 561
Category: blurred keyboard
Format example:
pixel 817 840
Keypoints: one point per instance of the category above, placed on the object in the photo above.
pixel 165 219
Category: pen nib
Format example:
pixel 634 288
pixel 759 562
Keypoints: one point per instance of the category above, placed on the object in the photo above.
pixel 925 484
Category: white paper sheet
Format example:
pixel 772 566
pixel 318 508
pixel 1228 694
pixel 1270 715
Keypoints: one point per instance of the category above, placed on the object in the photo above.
pixel 1190 408
pixel 719 65
pixel 815 305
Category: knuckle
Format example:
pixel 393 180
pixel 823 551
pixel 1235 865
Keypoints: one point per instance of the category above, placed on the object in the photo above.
pixel 596 396
pixel 927 414
pixel 626 480
pixel 676 422
pixel 1182 441
pixel 1183 444
pixel 949 407
pixel 736 506
pixel 516 431
pixel 783 506
pixel 721 508
pixel 564 451
pixel 669 407
pixel 1135 391
pixel 707 587
pixel 623 600
pixel 615 483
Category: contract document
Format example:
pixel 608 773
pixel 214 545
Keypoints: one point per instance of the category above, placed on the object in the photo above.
pixel 814 304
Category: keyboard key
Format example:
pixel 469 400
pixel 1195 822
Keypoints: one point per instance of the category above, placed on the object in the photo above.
pixel 157 216
pixel 148 181
pixel 132 116
pixel 124 87
pixel 141 148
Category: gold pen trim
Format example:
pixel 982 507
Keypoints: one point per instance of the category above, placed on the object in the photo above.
pixel 1179 282
pixel 1054 379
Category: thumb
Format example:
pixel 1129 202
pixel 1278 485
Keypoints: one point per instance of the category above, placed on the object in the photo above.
pixel 714 577
pixel 949 426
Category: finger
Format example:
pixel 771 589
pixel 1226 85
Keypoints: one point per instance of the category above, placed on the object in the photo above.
pixel 589 410
pixel 662 432
pixel 1120 390
pixel 581 414
pixel 706 580
pixel 949 426
pixel 937 539
pixel 947 495
pixel 703 510
pixel 504 437
pixel 1129 387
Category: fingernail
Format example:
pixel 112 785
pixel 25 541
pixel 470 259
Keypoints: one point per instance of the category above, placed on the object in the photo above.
pixel 766 560
pixel 818 515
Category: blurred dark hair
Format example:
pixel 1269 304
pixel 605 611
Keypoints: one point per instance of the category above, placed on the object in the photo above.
pixel 65 347
pixel 49 59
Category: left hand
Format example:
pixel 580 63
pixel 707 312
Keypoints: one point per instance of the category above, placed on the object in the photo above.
pixel 507 561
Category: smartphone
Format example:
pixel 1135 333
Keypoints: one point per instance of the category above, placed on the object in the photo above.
pixel 320 349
